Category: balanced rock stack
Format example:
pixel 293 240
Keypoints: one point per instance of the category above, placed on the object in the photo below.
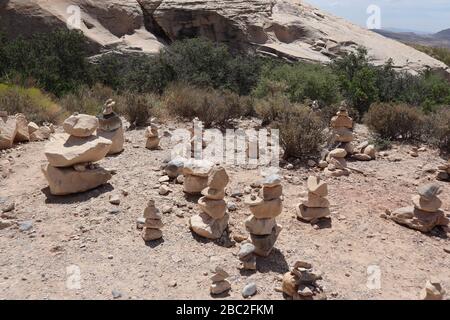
pixel 425 214
pixel 153 224
pixel 337 165
pixel 301 282
pixel 342 126
pixel 220 284
pixel 152 136
pixel 262 225
pixel 432 291
pixel 444 172
pixel 316 205
pixel 110 127
pixel 247 257
pixel 196 173
pixel 72 155
pixel 213 220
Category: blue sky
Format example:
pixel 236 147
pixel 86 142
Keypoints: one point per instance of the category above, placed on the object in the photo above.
pixel 419 15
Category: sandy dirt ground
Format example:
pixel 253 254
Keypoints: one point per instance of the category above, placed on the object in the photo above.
pixel 102 240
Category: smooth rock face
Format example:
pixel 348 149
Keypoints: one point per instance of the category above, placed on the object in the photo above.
pixel 271 193
pixel 8 130
pixel 218 178
pixel 207 227
pixel 199 168
pixel 81 125
pixel 117 139
pixel 22 134
pixel 65 151
pixel 32 127
pixel 64 181
pixel 291 29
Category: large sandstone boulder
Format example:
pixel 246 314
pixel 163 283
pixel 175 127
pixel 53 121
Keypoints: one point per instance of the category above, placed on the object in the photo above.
pixel 289 29
pixel 117 140
pixel 64 181
pixel 65 150
pixel 22 134
pixel 8 130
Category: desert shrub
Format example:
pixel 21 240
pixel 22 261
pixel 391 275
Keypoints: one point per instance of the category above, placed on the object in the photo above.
pixel 32 102
pixel 395 121
pixel 300 81
pixel 301 132
pixel 56 60
pixel 380 143
pixel 209 105
pixel 87 100
pixel 442 54
pixel 437 129
pixel 138 108
pixel 271 108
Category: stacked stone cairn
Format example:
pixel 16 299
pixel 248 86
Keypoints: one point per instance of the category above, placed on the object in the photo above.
pixel 247 256
pixel 152 135
pixel 425 214
pixel 196 173
pixel 262 225
pixel 342 126
pixel 153 223
pixel 213 219
pixel 301 282
pixel 444 171
pixel 72 156
pixel 220 284
pixel 432 291
pixel 316 205
pixel 337 165
pixel 110 127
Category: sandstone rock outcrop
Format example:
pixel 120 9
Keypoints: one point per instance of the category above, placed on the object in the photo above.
pixel 425 214
pixel 290 29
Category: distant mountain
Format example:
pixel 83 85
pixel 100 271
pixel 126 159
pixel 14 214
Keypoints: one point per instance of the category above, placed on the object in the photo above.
pixel 439 39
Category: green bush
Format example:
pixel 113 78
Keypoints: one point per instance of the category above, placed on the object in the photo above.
pixel 56 60
pixel 300 81
pixel 437 128
pixel 88 100
pixel 35 105
pixel 301 132
pixel 272 108
pixel 395 121
pixel 209 105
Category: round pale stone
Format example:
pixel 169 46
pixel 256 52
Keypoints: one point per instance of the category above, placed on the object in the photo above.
pixel 259 226
pixel 338 153
pixel 81 125
pixel 150 234
pixel 263 209
pixel 194 184
pixel 214 208
pixel 218 178
pixel 271 193
pixel 370 151
pixel 152 143
pixel 423 204
pixel 362 157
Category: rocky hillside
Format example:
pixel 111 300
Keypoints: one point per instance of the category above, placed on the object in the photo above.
pixel 285 28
